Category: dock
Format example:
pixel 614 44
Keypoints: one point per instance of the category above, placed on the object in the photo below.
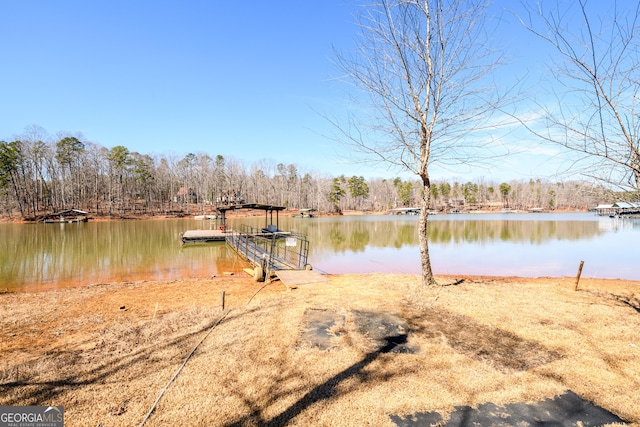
pixel 268 250
pixel 220 234
pixel 67 216
pixel 203 236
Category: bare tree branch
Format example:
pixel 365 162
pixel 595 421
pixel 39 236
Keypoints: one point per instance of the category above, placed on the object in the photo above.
pixel 598 75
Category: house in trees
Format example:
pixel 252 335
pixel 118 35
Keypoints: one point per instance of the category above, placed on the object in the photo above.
pixel 185 195
pixel 455 204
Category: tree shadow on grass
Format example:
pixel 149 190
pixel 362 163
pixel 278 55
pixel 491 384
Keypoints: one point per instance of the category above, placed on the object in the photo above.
pixel 500 348
pixel 326 390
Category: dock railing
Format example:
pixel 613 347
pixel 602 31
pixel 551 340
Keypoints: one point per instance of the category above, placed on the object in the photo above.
pixel 270 250
pixel 292 250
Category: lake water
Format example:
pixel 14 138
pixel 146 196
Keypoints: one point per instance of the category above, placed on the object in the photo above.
pixel 45 256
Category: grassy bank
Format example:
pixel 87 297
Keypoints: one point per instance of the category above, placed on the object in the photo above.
pixel 105 352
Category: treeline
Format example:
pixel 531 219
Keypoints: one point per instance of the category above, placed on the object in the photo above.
pixel 39 177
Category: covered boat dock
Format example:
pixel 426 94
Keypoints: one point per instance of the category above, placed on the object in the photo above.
pixel 221 233
pixel 618 209
pixel 268 213
pixel 67 216
pixel 268 249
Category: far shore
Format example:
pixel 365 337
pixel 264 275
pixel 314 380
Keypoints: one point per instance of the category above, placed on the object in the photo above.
pixel 284 213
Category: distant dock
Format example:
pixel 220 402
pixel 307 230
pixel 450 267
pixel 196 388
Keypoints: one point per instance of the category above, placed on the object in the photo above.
pixel 68 216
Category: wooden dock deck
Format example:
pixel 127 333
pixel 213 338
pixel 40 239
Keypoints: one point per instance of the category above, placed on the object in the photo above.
pixel 202 236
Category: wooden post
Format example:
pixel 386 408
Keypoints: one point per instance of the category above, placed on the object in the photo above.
pixel 222 299
pixel 575 287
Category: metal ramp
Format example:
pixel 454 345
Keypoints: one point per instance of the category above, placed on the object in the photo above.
pixel 269 251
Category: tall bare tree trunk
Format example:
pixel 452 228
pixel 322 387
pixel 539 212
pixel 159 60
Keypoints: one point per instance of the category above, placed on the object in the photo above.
pixel 423 236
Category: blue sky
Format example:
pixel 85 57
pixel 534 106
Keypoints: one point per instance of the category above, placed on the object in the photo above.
pixel 249 80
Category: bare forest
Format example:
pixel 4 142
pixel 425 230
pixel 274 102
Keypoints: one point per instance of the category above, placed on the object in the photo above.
pixel 38 177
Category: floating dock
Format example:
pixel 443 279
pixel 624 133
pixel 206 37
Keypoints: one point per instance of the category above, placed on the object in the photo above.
pixel 203 236
pixel 220 234
pixel 269 250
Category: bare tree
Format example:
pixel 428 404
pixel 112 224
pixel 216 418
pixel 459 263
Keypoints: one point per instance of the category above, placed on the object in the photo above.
pixel 421 64
pixel 598 75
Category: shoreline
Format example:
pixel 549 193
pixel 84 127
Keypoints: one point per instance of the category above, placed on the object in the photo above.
pixel 444 281
pixel 286 214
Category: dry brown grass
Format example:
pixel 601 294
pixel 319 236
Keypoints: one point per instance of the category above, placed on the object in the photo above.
pixel 482 340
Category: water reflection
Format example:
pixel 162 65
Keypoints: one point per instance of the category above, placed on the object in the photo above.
pixel 41 256
pixel 493 244
pixel 356 234
pixel 44 256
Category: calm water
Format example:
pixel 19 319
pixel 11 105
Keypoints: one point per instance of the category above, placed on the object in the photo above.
pixel 45 256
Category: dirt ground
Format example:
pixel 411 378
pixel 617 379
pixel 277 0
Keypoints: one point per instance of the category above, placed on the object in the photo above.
pixel 354 350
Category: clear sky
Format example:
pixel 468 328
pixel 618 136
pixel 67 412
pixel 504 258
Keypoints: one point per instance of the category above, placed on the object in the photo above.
pixel 248 80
